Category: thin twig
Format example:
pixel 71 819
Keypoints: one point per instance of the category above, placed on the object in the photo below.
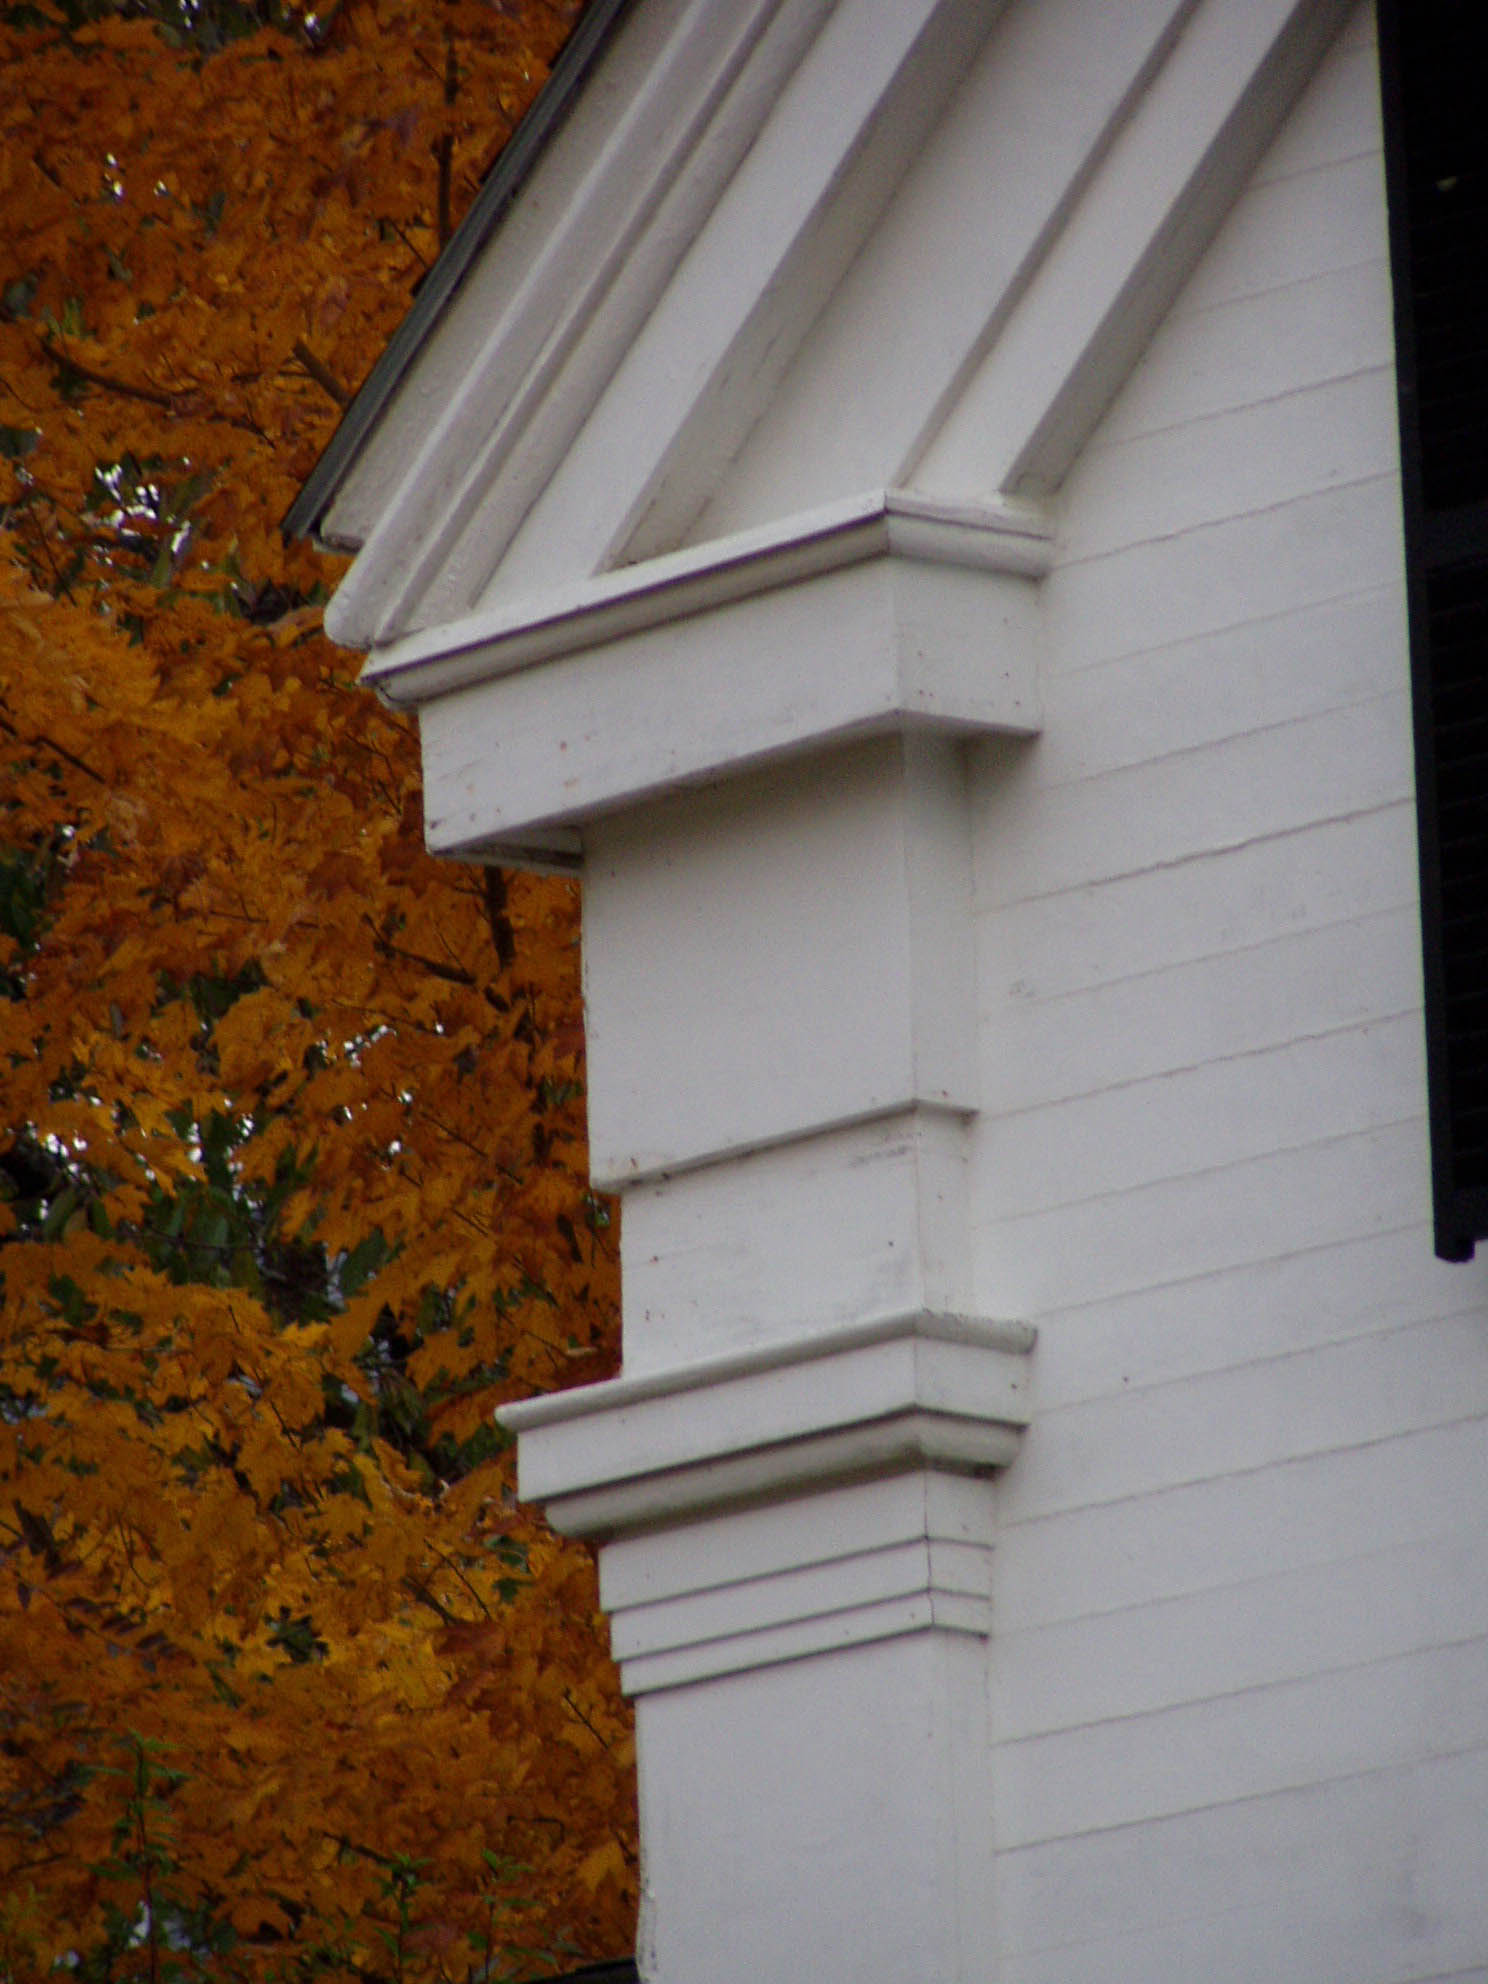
pixel 151 395
pixel 321 373
pixel 41 737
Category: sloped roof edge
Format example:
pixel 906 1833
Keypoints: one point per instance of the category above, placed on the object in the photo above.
pixel 569 74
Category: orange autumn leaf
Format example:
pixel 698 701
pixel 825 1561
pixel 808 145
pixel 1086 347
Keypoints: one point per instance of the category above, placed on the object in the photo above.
pixel 281 1659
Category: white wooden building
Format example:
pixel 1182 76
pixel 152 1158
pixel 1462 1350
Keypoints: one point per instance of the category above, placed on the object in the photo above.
pixel 906 496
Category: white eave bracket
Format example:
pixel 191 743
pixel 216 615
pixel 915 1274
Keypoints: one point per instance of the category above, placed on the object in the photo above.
pixel 879 613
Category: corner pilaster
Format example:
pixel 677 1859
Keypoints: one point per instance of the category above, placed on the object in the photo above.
pixel 758 749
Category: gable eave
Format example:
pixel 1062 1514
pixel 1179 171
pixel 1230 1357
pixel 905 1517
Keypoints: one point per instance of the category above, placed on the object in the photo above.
pixel 310 513
pixel 604 362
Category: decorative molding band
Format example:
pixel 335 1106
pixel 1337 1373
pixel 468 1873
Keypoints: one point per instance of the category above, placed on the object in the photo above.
pixel 656 1648
pixel 999 536
pixel 862 1561
pixel 876 617
pixel 898 1394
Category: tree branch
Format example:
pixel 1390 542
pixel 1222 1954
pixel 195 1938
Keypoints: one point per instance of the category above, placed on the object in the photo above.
pixel 321 373
pixel 151 395
pixel 41 737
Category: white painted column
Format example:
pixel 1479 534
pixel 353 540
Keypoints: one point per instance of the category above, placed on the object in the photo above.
pixel 759 749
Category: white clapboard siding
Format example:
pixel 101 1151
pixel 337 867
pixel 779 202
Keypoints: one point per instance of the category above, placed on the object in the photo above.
pixel 1311 1885
pixel 1240 1673
pixel 1203 1118
pixel 1210 1535
pixel 1334 1723
pixel 1277 778
pixel 1159 1334
pixel 1202 578
pixel 1376 1606
pixel 1337 325
pixel 1072 939
pixel 1331 433
pixel 1269 1411
pixel 1042 1050
pixel 1135 708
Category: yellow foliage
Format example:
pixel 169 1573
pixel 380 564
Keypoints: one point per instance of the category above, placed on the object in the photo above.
pixel 292 1172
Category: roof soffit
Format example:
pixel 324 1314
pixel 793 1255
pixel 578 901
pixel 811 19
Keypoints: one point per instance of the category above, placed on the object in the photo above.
pixel 760 209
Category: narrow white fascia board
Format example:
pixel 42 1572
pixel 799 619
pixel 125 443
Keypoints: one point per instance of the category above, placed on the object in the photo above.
pixel 898 1392
pixel 648 150
pixel 1013 538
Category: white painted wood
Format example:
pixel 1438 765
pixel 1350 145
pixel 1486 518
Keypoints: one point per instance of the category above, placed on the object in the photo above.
pixel 785 1845
pixel 1177 1019
pixel 1136 708
pixel 1155 199
pixel 1233 571
pixel 1326 1508
pixel 901 1392
pixel 1374 1877
pixel 798 209
pixel 883 614
pixel 1191 804
pixel 1330 434
pixel 1240 1658
pixel 1209 906
pixel 854 1519
pixel 870 1220
pixel 1277 1306
pixel 1252 1744
pixel 1242 1419
pixel 996 536
pixel 1041 101
pixel 1295 228
pixel 1335 325
pixel 531 340
pixel 1107 1667
pixel 694 910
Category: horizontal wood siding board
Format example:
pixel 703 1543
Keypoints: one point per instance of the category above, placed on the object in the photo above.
pixel 1377 1605
pixel 1311 1883
pixel 1257 1743
pixel 1238 1422
pixel 1155 1336
pixel 1304 1514
pixel 1058 941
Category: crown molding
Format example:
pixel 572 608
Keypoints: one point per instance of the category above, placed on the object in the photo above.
pixel 894 1394
pixel 880 614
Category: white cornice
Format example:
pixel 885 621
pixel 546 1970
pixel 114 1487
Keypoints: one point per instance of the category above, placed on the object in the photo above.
pixel 879 615
pixel 902 1392
pixel 1151 205
pixel 1014 538
pixel 657 144
pixel 710 211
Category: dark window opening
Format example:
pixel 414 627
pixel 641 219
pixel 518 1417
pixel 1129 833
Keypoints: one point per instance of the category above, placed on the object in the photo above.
pixel 1434 73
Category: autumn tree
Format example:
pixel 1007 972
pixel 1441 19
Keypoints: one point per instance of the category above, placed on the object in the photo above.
pixel 292 1169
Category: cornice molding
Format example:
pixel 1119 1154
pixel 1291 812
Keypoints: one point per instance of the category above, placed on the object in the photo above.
pixel 882 613
pixel 1007 537
pixel 891 1395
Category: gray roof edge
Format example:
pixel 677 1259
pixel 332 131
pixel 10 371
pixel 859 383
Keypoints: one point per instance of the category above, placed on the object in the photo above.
pixel 547 111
